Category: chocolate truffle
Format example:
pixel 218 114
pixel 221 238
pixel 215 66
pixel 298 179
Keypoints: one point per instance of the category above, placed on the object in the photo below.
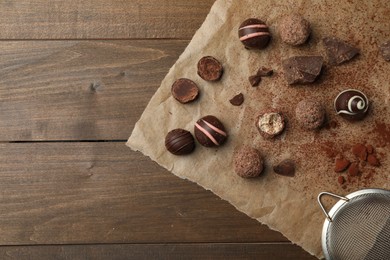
pixel 351 104
pixel 310 114
pixel 247 162
pixel 302 69
pixel 179 142
pixel 294 30
pixel 254 34
pixel 270 124
pixel 385 50
pixel 210 132
pixel 210 69
pixel 339 51
pixel 184 90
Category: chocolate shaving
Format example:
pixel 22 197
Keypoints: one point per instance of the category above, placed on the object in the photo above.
pixel 264 72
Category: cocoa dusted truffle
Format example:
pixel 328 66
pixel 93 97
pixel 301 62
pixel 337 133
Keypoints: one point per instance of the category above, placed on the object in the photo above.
pixel 247 162
pixel 310 114
pixel 339 51
pixel 254 34
pixel 210 69
pixel 351 104
pixel 302 69
pixel 270 124
pixel 210 132
pixel 184 90
pixel 294 29
pixel 179 142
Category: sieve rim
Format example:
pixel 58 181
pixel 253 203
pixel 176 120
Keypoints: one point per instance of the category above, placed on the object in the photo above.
pixel 335 209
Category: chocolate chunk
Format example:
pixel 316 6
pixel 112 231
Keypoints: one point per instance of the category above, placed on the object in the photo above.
pixel 285 168
pixel 254 34
pixel 210 69
pixel 302 69
pixel 255 80
pixel 338 51
pixel 385 50
pixel 237 100
pixel 184 90
pixel 179 142
pixel 210 132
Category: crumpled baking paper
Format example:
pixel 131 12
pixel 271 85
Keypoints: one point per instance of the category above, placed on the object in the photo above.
pixel 283 203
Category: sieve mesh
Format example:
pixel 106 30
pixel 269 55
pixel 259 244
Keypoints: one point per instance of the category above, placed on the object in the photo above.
pixel 361 229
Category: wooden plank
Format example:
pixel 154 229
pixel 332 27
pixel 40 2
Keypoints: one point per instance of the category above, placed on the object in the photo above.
pixel 79 90
pixel 101 192
pixel 101 19
pixel 282 251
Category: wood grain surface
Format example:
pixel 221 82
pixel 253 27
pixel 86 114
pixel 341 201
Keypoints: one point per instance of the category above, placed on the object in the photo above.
pixel 75 76
pixel 79 90
pixel 101 19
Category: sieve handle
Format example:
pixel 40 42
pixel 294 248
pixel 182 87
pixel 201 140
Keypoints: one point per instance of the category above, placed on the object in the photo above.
pixel 322 206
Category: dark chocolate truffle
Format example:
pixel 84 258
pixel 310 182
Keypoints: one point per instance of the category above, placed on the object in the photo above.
pixel 247 162
pixel 385 50
pixel 210 132
pixel 270 124
pixel 310 114
pixel 210 69
pixel 254 34
pixel 302 69
pixel 351 104
pixel 179 142
pixel 184 90
pixel 338 51
pixel 294 29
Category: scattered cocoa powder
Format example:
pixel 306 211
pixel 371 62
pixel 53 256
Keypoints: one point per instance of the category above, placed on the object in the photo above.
pixel 360 150
pixel 353 169
pixel 341 164
pixel 372 160
pixel 341 180
pixel 370 149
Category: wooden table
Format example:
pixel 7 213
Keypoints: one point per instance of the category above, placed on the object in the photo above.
pixel 74 79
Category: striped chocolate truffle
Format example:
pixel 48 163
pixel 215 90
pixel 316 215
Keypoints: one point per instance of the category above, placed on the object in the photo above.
pixel 179 142
pixel 254 34
pixel 210 132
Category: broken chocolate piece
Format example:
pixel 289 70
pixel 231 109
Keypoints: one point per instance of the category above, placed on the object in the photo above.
pixel 385 50
pixel 255 80
pixel 302 69
pixel 237 100
pixel 338 51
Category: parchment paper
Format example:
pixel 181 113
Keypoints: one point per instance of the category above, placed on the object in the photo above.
pixel 284 204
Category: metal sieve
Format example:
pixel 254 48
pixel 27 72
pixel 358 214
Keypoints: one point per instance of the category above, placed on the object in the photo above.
pixel 357 226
